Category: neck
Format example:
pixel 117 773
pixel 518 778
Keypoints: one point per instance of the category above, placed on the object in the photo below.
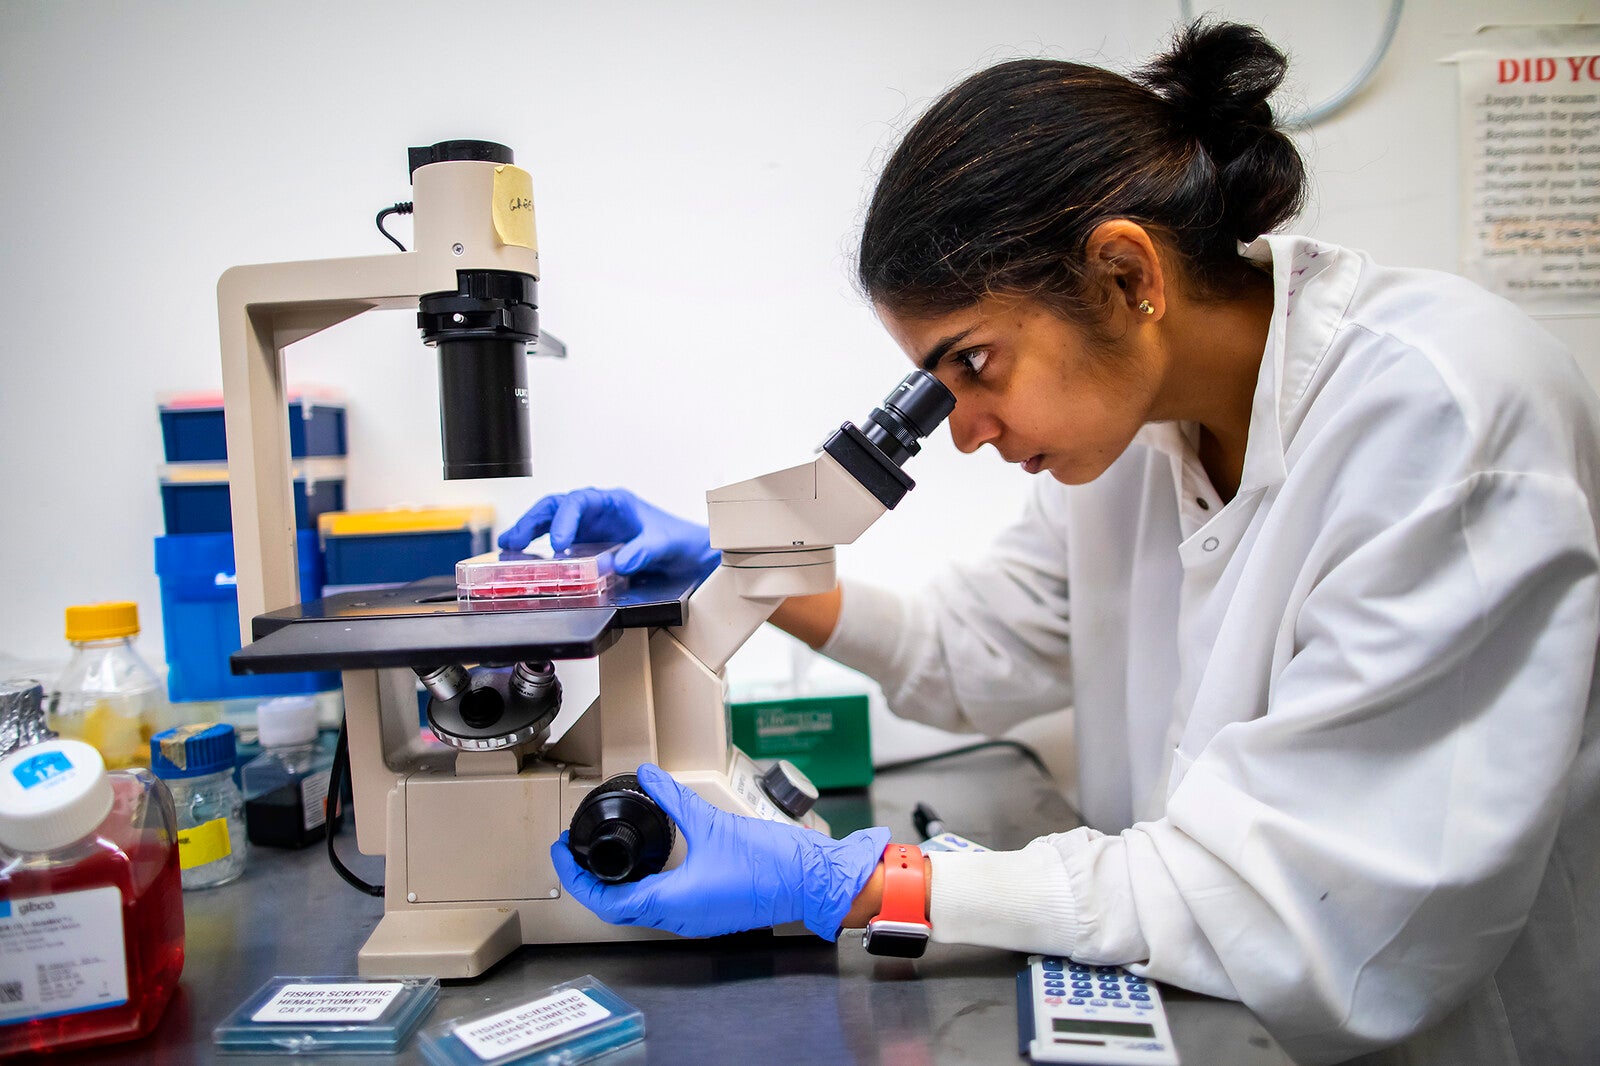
pixel 1214 353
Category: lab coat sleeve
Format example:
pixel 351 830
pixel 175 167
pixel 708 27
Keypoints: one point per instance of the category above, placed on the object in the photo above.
pixel 981 648
pixel 1352 862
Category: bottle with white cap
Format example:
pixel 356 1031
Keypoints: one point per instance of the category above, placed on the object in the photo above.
pixel 91 903
pixel 286 786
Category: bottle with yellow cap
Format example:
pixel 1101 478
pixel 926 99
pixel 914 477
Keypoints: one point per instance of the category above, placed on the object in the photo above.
pixel 108 696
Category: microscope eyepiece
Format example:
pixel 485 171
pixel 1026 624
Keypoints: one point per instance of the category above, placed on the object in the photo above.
pixel 893 433
pixel 912 411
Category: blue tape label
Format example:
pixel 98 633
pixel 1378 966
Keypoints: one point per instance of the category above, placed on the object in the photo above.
pixel 31 773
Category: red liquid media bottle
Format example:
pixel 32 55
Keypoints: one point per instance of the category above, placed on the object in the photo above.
pixel 91 904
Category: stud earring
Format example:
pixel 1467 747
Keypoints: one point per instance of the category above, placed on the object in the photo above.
pixel 1146 307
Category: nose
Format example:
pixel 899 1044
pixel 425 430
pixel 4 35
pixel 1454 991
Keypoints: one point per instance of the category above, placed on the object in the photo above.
pixel 971 427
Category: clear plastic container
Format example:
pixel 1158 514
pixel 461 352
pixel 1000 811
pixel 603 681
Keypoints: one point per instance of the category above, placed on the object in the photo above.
pixel 91 910
pixel 581 570
pixel 286 786
pixel 564 1025
pixel 328 1015
pixel 196 762
pixel 108 697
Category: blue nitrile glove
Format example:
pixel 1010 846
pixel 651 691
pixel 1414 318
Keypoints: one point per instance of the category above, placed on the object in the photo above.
pixel 651 538
pixel 740 873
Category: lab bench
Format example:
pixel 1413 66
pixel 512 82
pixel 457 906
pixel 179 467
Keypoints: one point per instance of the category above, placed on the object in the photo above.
pixel 753 998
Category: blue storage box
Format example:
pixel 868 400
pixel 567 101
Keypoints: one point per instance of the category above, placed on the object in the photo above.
pixel 394 546
pixel 194 496
pixel 200 619
pixel 192 427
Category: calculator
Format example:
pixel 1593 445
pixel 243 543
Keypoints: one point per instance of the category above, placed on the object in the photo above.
pixel 1072 1012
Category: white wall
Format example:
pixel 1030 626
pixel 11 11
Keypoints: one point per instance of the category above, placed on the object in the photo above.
pixel 699 169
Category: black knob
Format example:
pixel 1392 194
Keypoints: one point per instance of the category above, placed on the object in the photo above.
pixel 790 789
pixel 618 833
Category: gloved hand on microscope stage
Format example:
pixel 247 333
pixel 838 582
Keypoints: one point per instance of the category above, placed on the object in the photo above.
pixel 651 538
pixel 740 873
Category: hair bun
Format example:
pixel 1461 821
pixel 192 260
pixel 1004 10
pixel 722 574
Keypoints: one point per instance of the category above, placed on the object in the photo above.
pixel 1216 79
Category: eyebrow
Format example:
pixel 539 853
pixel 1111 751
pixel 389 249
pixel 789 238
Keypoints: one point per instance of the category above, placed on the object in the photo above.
pixel 938 351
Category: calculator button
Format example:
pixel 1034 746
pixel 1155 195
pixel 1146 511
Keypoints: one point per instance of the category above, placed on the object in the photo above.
pixel 1124 1006
pixel 1141 997
pixel 1111 995
pixel 1097 1003
pixel 1078 1001
pixel 1052 963
pixel 1144 1006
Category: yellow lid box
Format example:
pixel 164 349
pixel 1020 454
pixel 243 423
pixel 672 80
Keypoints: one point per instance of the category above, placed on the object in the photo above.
pixel 403 520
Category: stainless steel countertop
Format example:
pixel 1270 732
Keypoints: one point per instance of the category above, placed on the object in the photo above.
pixel 752 999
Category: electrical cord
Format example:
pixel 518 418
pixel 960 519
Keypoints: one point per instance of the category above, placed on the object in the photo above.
pixel 983 745
pixel 341 766
pixel 1335 103
pixel 397 209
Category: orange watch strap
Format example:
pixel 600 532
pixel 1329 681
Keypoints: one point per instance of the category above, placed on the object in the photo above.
pixel 905 885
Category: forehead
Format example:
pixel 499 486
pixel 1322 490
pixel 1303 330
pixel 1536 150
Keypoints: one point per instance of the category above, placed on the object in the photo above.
pixel 932 334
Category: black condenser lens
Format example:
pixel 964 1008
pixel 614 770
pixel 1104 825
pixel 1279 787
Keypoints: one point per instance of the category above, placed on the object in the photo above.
pixel 482 332
pixel 483 408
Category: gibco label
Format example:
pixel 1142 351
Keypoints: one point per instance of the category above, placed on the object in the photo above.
pixel 530 1024
pixel 61 954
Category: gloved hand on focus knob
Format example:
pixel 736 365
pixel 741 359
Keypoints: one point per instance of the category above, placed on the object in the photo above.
pixel 651 538
pixel 740 873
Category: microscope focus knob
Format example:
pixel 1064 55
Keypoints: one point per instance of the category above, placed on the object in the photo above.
pixel 618 833
pixel 790 789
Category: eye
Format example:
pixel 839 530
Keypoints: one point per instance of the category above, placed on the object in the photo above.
pixel 972 361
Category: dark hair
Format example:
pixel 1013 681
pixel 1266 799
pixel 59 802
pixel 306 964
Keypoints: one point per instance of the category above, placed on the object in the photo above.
pixel 997 188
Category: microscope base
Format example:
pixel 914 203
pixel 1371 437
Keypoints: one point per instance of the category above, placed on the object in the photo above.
pixel 468 874
pixel 444 943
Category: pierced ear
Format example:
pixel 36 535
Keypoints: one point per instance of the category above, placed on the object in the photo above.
pixel 1128 254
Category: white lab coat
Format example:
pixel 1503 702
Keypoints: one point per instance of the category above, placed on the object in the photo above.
pixel 1337 738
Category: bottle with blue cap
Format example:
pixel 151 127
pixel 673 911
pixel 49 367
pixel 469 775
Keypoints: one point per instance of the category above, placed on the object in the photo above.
pixel 91 912
pixel 196 762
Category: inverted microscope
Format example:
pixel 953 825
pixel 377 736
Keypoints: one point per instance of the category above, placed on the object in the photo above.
pixel 465 811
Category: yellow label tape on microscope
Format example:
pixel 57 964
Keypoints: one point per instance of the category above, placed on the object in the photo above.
pixel 513 207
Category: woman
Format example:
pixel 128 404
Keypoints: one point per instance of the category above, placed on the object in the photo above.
pixel 1315 563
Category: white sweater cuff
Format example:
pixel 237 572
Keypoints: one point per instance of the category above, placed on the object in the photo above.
pixel 1017 900
pixel 870 632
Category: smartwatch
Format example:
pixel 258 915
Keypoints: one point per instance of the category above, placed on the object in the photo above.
pixel 901 928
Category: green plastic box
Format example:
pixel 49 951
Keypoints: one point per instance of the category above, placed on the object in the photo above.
pixel 827 737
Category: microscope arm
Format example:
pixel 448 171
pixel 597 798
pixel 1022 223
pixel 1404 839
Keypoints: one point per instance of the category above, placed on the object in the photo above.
pixel 461 223
pixel 777 535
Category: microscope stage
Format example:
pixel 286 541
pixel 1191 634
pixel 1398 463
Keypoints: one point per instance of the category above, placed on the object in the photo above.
pixel 424 624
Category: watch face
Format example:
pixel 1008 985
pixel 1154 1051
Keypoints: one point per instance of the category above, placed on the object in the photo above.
pixel 895 940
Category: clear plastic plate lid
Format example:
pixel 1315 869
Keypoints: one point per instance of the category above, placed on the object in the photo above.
pixel 563 1025
pixel 582 570
pixel 316 1015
